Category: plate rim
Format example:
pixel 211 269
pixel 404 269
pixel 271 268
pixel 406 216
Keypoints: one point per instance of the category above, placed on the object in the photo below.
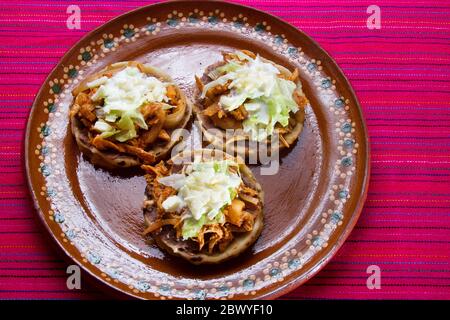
pixel 284 287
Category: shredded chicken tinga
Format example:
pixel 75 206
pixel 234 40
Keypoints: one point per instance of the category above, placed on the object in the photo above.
pixel 122 129
pixel 235 95
pixel 218 226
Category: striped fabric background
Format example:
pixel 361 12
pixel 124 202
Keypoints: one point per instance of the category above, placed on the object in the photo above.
pixel 401 75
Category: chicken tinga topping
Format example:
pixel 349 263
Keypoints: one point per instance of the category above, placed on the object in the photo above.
pixel 246 92
pixel 205 202
pixel 125 110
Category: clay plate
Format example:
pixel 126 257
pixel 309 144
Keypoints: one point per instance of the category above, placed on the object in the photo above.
pixel 311 204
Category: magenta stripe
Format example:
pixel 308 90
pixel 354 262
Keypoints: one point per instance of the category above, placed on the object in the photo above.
pixel 401 76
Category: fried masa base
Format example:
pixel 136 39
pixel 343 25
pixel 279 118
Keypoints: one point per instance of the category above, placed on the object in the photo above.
pixel 217 137
pixel 188 249
pixel 110 159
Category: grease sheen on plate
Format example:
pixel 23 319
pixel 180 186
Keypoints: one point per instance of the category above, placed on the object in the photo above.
pixel 311 204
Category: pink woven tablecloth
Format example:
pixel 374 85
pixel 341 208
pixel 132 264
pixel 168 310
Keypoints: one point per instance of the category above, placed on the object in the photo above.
pixel 401 74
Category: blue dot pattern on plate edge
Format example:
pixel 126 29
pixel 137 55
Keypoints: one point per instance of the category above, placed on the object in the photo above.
pixel 86 56
pixel 339 103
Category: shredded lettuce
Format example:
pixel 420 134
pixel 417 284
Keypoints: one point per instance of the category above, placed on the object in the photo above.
pixel 204 190
pixel 191 227
pixel 173 204
pixel 266 112
pixel 123 94
pixel 97 82
pixel 255 85
pixel 105 129
pixel 231 66
pixel 102 126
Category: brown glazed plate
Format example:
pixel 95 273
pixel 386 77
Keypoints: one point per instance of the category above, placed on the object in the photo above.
pixel 311 204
